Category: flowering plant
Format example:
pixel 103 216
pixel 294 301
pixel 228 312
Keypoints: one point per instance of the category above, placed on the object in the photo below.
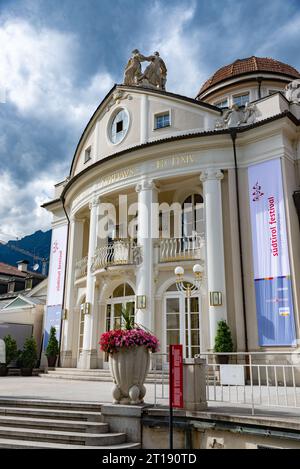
pixel 113 341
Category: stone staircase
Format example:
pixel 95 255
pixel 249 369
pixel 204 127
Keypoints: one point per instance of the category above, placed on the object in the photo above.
pixel 96 375
pixel 29 423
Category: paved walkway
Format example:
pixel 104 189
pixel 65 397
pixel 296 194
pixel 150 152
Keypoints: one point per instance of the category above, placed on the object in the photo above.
pixel 89 391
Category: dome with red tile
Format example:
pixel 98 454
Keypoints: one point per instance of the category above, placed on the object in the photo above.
pixel 249 65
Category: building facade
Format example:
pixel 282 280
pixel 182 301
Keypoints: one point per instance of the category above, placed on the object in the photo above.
pixel 160 180
pixel 23 296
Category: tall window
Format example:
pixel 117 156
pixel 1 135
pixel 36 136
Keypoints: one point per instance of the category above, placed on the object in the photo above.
pixel 193 215
pixel 242 99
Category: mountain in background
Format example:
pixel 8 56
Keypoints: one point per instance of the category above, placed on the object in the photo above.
pixel 38 244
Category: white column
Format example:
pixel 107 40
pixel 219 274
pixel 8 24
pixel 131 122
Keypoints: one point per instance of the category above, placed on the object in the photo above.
pixel 147 195
pixel 88 357
pixel 144 119
pixel 211 179
pixel 74 255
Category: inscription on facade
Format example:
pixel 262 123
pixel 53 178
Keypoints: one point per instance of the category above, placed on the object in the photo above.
pixel 175 162
pixel 117 176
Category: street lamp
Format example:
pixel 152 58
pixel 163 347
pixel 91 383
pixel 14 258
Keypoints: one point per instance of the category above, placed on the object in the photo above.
pixel 189 291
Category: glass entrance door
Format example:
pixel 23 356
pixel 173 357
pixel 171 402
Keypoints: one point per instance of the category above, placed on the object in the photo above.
pixel 176 323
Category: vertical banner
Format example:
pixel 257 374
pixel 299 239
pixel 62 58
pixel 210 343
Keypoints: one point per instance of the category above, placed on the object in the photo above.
pixel 272 275
pixel 176 369
pixel 56 277
pixel 56 281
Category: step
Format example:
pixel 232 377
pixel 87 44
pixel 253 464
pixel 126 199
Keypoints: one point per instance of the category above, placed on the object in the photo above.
pixel 89 439
pixel 51 404
pixel 16 444
pixel 61 425
pixel 75 415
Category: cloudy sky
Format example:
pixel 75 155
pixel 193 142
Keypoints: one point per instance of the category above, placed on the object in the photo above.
pixel 59 58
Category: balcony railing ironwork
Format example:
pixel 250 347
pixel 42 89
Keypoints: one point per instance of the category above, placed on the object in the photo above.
pixel 179 249
pixel 81 268
pixel 120 252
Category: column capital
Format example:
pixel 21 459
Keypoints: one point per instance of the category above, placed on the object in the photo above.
pixel 211 174
pixel 94 202
pixel 145 185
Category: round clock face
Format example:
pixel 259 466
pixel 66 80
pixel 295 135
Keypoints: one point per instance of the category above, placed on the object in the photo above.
pixel 119 126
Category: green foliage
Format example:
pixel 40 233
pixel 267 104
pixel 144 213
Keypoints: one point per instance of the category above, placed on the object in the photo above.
pixel 53 346
pixel 11 349
pixel 28 356
pixel 223 340
pixel 128 317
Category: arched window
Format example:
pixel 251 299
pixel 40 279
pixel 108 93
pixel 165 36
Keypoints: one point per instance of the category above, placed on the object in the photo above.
pixel 122 297
pixel 192 215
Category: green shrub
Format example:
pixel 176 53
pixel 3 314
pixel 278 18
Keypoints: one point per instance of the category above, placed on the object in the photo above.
pixel 53 346
pixel 28 356
pixel 11 349
pixel 223 340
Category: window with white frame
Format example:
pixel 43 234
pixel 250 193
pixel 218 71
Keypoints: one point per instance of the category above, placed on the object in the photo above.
pixel 242 99
pixel 162 120
pixel 222 104
pixel 87 154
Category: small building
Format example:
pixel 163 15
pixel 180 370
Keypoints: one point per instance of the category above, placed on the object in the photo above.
pixel 22 301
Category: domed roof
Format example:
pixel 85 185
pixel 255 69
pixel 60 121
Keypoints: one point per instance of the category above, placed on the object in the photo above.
pixel 249 65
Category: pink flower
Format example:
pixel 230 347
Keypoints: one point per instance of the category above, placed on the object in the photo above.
pixel 113 341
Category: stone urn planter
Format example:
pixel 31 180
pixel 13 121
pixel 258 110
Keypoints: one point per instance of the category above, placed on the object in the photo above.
pixel 129 359
pixel 129 368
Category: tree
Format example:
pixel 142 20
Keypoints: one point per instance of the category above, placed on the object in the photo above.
pixel 28 356
pixel 53 346
pixel 11 349
pixel 223 340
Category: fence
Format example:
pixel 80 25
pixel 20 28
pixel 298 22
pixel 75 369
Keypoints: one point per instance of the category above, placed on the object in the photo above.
pixel 258 379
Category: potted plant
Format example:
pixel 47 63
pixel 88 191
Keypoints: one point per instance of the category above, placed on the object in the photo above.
pixel 52 348
pixel 129 359
pixel 11 352
pixel 223 342
pixel 28 357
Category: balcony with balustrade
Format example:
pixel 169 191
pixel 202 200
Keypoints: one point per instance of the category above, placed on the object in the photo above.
pixel 181 249
pixel 116 253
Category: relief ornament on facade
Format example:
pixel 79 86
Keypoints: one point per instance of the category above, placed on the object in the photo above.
pixel 154 75
pixel 236 117
pixel 292 92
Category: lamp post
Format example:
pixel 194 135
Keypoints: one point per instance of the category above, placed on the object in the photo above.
pixel 189 291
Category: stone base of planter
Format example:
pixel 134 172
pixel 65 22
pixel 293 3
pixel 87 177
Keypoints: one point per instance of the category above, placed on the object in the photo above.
pixel 129 368
pixel 124 418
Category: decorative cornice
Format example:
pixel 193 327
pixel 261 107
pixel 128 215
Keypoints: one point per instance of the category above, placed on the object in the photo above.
pixel 211 174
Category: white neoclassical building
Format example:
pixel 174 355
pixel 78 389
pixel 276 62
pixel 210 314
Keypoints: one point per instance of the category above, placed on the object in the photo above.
pixel 230 159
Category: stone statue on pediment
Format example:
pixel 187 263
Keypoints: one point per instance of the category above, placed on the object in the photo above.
pixel 235 117
pixel 292 92
pixel 154 75
pixel 156 72
pixel 133 70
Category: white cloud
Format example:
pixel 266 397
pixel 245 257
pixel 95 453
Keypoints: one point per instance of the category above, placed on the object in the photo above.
pixel 180 45
pixel 20 210
pixel 39 66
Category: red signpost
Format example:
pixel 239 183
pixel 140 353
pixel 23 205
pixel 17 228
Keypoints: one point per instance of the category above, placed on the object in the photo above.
pixel 175 384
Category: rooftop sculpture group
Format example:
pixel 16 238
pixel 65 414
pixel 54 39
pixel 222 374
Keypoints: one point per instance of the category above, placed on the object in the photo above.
pixel 154 75
pixel 292 92
pixel 236 116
